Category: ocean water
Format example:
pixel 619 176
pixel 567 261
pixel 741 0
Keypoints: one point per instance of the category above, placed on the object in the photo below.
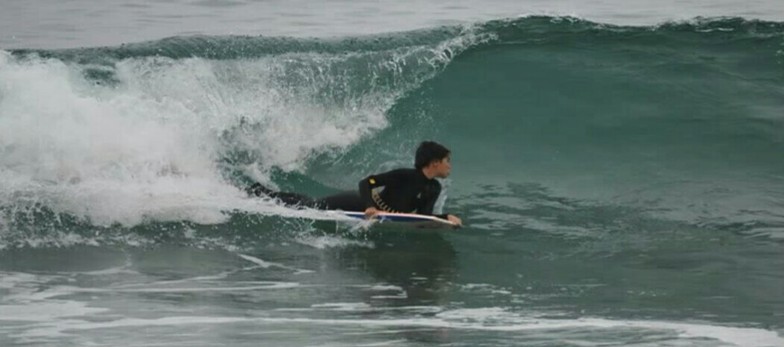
pixel 618 166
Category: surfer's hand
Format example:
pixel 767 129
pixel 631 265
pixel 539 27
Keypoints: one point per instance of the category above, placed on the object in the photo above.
pixel 451 218
pixel 370 212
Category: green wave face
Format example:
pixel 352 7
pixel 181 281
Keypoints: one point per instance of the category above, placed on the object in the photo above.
pixel 658 118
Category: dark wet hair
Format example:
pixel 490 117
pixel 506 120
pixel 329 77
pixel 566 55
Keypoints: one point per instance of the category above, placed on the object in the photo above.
pixel 428 152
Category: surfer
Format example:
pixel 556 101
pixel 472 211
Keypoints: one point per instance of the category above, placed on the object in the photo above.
pixel 402 190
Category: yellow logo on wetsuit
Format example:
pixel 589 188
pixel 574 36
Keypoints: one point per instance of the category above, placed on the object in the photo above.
pixel 372 181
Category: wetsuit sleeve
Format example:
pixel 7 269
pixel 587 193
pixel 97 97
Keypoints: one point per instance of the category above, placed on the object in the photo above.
pixel 367 184
pixel 430 203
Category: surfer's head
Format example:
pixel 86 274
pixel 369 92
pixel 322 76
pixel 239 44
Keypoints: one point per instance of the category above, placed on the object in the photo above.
pixel 433 158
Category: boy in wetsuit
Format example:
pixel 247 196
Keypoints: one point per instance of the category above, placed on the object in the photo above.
pixel 401 190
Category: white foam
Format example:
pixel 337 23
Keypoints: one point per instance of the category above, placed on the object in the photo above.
pixel 32 294
pixel 55 329
pixel 398 296
pixel 481 315
pixel 101 153
pixel 24 288
pixel 111 271
pixel 265 286
pixel 12 279
pixel 485 288
pixel 486 319
pixel 326 241
pixel 150 288
pixel 385 287
pixel 343 306
pixel 362 308
pixel 149 146
pixel 259 262
pixel 46 311
pixel 267 264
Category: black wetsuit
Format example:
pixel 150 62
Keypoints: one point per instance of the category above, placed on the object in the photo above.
pixel 401 190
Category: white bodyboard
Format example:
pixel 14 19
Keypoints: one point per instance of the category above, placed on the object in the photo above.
pixel 405 219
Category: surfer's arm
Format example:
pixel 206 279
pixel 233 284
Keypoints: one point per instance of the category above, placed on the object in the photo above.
pixel 371 182
pixel 365 186
pixel 430 203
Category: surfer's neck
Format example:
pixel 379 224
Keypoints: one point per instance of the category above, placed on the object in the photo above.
pixel 429 172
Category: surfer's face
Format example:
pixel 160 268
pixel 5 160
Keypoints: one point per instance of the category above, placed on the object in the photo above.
pixel 442 167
